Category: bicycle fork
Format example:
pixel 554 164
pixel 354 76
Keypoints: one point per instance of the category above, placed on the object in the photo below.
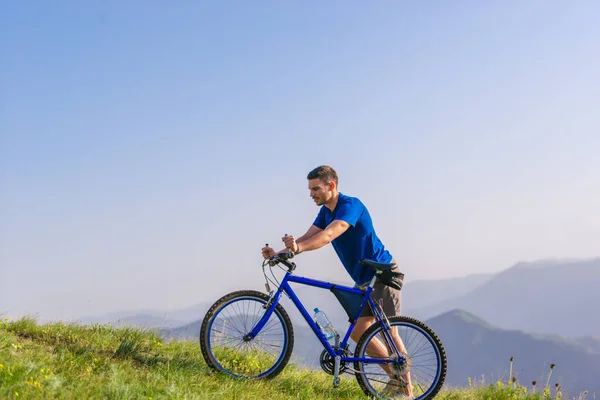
pixel 269 307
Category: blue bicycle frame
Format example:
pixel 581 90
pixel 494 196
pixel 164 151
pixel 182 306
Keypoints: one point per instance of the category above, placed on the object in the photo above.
pixel 339 350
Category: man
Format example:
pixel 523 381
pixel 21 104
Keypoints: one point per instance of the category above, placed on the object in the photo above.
pixel 345 222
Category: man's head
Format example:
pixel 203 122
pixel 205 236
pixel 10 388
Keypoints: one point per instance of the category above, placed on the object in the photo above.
pixel 322 183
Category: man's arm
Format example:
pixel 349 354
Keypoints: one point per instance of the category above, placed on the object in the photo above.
pixel 312 231
pixel 322 237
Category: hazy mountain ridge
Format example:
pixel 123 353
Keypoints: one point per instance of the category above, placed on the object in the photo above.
pixel 429 292
pixel 543 297
pixel 474 347
pixel 149 318
pixel 591 344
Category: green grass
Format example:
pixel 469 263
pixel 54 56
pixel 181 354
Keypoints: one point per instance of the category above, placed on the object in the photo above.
pixel 62 361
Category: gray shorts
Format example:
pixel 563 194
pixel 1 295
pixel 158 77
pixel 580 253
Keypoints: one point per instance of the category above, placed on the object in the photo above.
pixel 388 298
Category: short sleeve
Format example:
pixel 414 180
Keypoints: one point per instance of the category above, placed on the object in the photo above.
pixel 350 211
pixel 320 220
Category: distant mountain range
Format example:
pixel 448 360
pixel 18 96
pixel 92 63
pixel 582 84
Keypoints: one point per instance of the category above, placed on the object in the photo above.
pixel 542 297
pixel 141 319
pixel 149 318
pixel 426 293
pixel 475 348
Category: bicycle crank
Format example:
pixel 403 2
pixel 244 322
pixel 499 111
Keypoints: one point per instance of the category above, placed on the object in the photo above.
pixel 328 363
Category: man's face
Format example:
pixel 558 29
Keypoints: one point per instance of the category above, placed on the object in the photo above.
pixel 320 191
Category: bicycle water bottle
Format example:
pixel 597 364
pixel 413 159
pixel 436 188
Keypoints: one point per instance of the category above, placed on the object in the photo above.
pixel 324 324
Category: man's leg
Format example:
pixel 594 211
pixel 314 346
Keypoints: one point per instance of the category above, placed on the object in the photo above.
pixel 389 299
pixel 375 348
pixel 378 349
pixel 408 391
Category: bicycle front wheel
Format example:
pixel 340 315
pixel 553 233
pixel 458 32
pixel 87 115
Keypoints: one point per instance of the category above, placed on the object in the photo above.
pixel 223 342
pixel 421 375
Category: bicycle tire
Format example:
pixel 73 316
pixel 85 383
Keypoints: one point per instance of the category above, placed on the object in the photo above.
pixel 425 391
pixel 236 356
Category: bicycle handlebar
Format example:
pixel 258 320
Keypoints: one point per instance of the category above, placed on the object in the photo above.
pixel 279 257
pixel 282 258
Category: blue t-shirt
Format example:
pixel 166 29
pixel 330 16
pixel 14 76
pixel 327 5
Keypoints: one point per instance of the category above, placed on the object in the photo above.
pixel 358 242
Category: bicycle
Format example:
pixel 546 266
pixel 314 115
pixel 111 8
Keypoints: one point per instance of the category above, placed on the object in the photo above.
pixel 248 334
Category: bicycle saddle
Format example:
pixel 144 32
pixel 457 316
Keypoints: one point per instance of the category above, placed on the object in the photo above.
pixel 377 266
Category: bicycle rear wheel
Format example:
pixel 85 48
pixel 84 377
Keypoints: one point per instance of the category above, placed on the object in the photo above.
pixel 425 366
pixel 225 325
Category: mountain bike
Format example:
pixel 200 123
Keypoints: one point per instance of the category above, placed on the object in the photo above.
pixel 248 334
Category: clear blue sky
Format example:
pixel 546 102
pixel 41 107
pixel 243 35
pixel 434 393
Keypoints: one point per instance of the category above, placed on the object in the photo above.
pixel 148 152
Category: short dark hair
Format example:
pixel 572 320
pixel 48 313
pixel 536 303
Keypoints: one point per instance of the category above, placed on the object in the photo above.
pixel 324 173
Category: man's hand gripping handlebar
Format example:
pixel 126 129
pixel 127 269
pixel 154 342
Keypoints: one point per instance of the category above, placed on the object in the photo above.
pixel 281 258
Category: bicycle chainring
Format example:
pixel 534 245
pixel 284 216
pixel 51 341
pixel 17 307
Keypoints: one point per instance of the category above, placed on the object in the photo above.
pixel 328 362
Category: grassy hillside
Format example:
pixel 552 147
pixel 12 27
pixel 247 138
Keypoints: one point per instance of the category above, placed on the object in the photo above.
pixel 100 362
